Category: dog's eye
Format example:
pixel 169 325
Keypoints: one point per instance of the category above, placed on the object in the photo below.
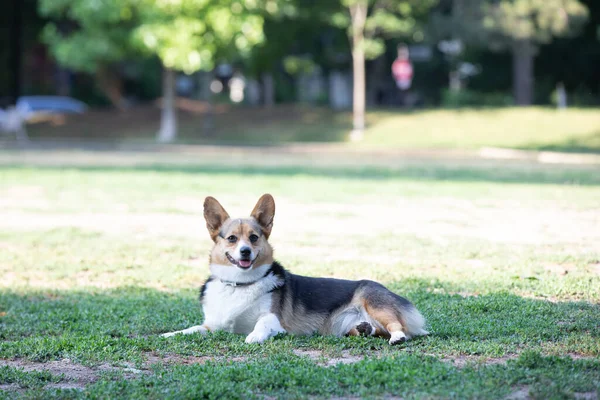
pixel 253 238
pixel 232 239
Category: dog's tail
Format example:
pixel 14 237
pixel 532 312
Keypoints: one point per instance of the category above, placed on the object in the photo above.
pixel 412 321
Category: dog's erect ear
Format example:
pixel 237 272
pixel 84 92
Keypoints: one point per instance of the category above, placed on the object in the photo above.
pixel 215 215
pixel 263 213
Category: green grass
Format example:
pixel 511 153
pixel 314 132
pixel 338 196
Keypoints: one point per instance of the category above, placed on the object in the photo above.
pixel 98 258
pixel 572 130
pixel 33 379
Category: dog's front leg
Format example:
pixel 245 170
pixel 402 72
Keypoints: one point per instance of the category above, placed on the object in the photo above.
pixel 266 327
pixel 202 329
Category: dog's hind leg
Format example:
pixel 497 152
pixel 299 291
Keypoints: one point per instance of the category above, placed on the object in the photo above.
pixel 394 317
pixel 390 322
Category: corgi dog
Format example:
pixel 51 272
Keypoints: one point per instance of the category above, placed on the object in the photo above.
pixel 250 293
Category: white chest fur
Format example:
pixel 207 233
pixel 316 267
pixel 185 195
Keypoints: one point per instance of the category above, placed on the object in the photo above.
pixel 237 308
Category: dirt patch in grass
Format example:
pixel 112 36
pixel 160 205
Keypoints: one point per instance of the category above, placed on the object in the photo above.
pixel 462 361
pixel 523 393
pixel 154 358
pixel 12 387
pixel 520 393
pixel 73 375
pixel 586 395
pixel 77 376
pixel 325 361
pixel 575 356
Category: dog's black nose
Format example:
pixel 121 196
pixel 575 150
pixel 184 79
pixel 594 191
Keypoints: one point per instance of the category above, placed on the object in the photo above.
pixel 245 251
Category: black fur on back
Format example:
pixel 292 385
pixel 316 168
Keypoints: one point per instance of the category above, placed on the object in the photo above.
pixel 277 270
pixel 319 295
pixel 378 295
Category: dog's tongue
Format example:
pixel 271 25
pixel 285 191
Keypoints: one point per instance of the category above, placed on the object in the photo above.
pixel 245 263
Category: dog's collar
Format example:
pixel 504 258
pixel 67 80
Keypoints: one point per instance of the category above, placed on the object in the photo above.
pixel 236 284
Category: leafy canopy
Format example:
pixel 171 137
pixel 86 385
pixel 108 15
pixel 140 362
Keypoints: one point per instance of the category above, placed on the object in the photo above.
pixel 84 34
pixel 187 35
pixel 190 35
pixel 535 20
pixel 385 19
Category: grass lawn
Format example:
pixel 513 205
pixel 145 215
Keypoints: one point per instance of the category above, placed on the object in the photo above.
pixel 572 130
pixel 100 254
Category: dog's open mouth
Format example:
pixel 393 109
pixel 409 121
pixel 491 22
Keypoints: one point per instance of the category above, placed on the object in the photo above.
pixel 244 263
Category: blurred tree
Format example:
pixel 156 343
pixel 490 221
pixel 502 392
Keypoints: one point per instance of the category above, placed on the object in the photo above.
pixel 369 23
pixel 283 28
pixel 191 35
pixel 294 39
pixel 517 25
pixel 524 24
pixel 91 36
pixel 186 35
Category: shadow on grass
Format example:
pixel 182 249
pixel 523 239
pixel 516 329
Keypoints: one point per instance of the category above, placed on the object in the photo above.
pixel 578 144
pixel 238 125
pixel 124 324
pixel 434 172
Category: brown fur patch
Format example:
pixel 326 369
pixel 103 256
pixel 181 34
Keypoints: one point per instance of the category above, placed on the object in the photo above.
pixel 264 212
pixel 215 215
pixel 387 318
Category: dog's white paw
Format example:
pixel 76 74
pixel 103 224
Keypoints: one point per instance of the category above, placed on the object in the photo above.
pixel 198 328
pixel 397 338
pixel 257 337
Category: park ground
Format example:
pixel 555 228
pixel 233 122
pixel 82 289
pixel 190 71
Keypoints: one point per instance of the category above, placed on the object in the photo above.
pixel 103 247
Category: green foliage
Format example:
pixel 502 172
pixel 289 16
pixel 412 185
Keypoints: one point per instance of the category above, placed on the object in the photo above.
pixel 187 35
pixel 294 32
pixel 23 379
pixel 534 20
pixel 298 65
pixel 470 98
pixel 102 36
pixel 190 35
pixel 498 23
pixel 385 20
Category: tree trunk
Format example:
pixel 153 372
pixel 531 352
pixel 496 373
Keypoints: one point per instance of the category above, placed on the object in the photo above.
pixel 358 12
pixel 16 50
pixel 63 81
pixel 268 89
pixel 523 81
pixel 168 118
pixel 111 85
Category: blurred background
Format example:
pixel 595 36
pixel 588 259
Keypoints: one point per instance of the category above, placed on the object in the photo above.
pixel 280 71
